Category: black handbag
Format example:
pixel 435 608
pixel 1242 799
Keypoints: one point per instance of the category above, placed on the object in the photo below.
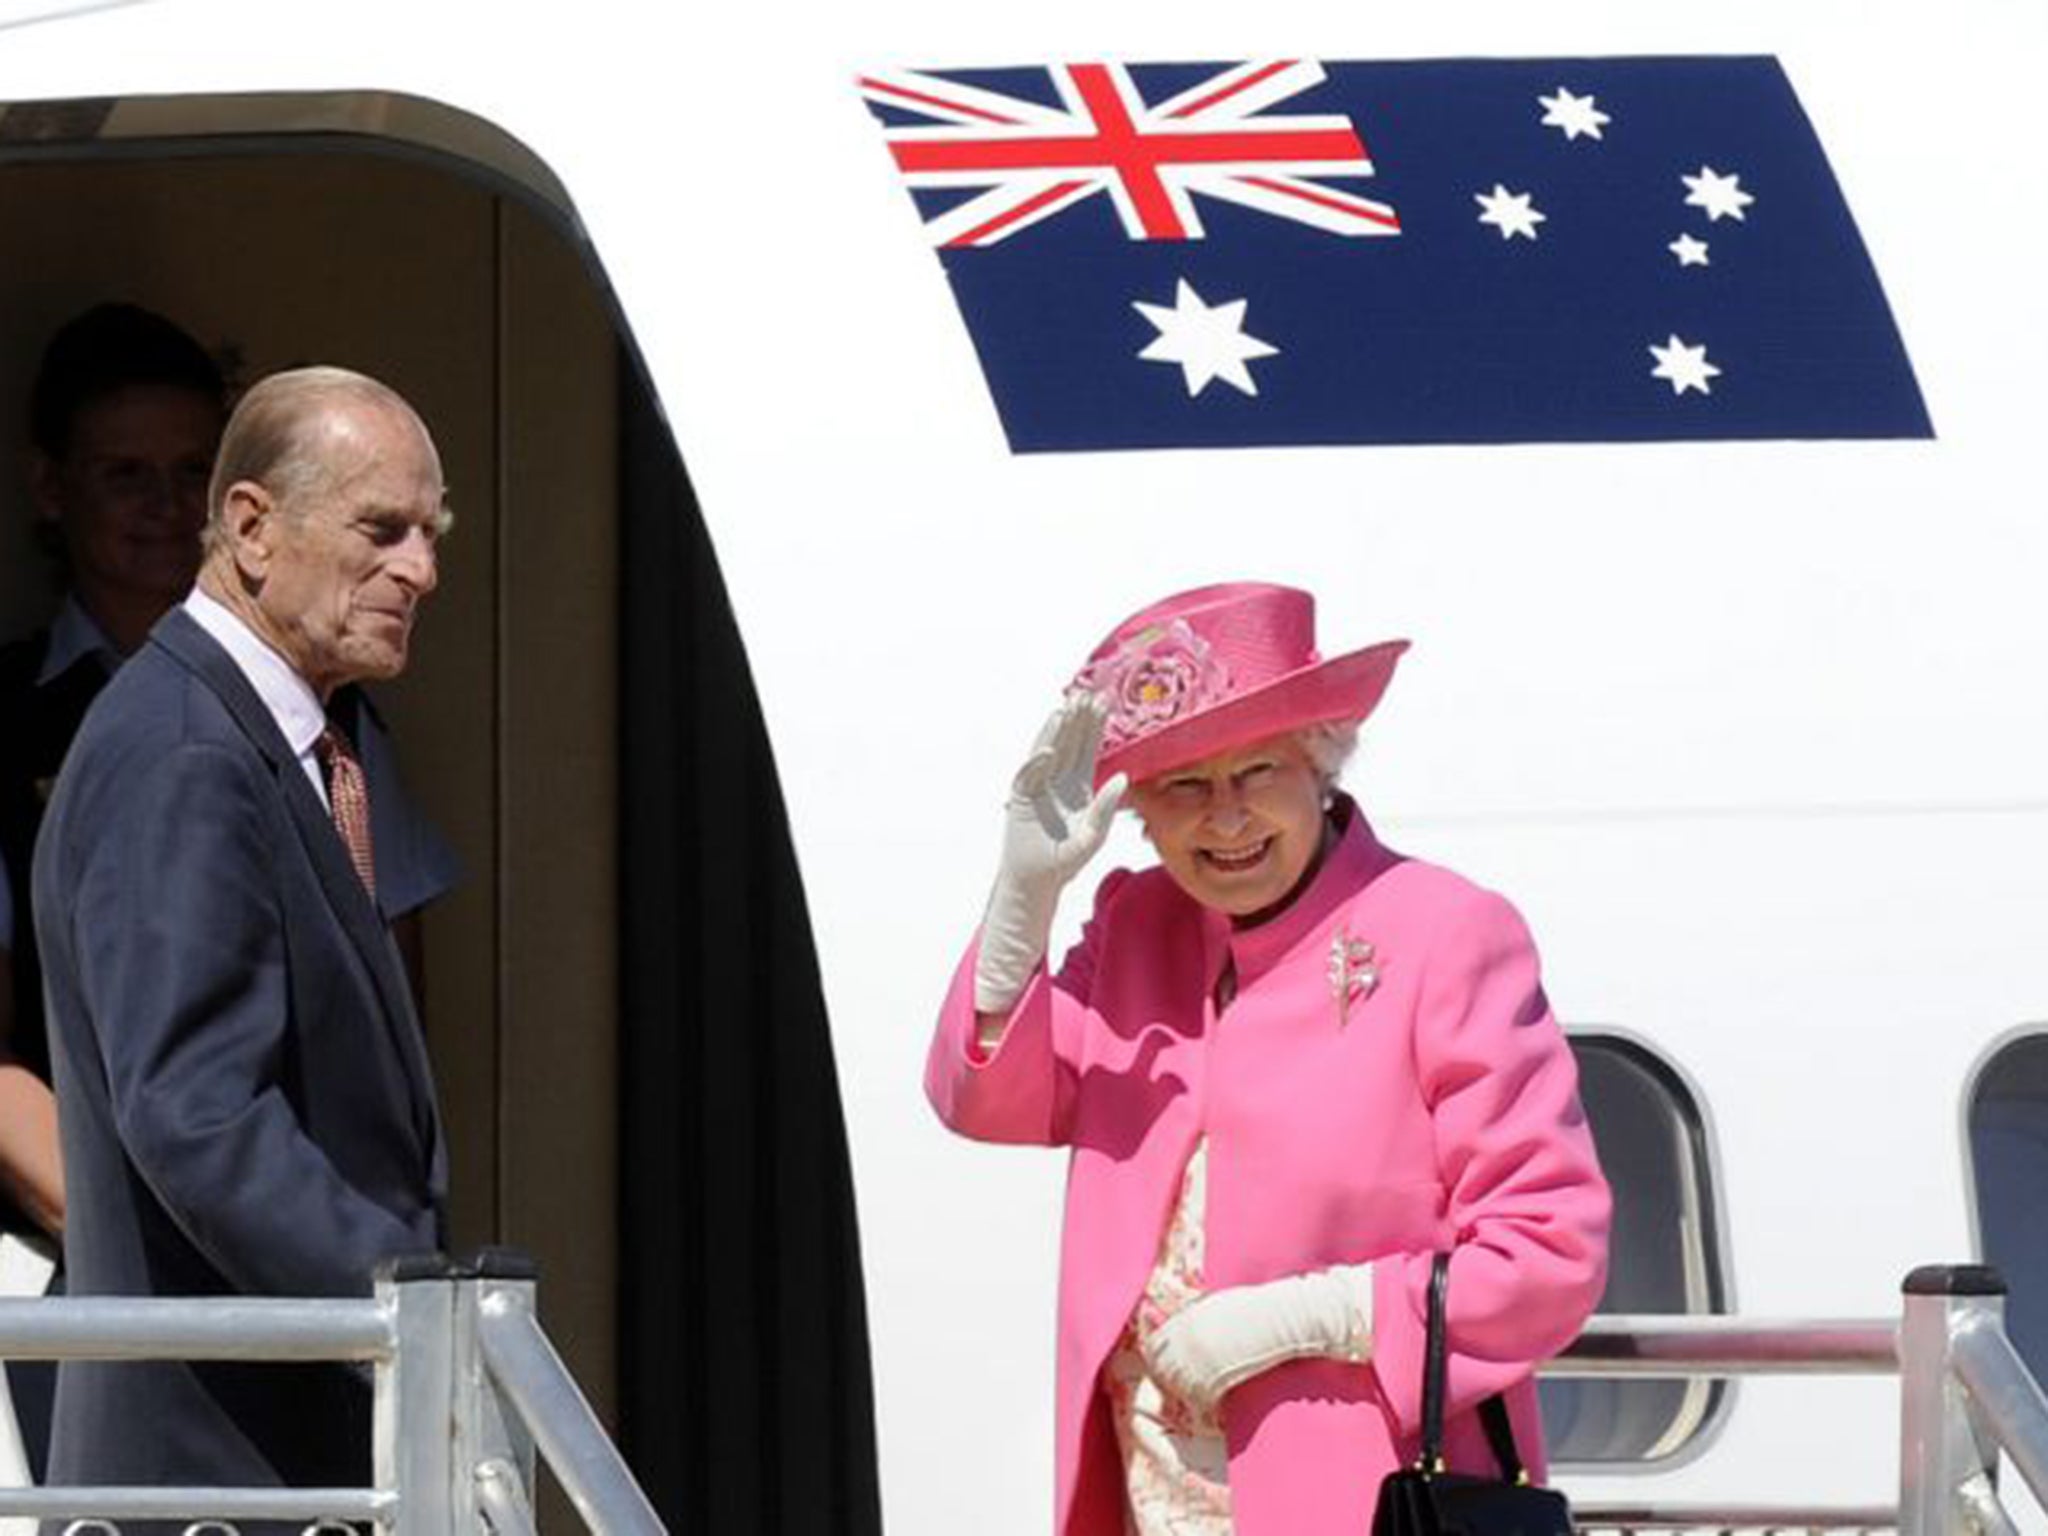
pixel 1426 1500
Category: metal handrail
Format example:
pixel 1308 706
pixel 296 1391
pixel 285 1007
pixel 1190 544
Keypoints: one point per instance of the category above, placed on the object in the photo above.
pixel 1983 1514
pixel 522 1361
pixel 195 1328
pixel 1965 1397
pixel 2007 1395
pixel 464 1375
pixel 299 1505
pixel 502 1497
pixel 1660 1344
pixel 113 1328
pixel 1734 1517
pixel 1965 1394
pixel 1663 1345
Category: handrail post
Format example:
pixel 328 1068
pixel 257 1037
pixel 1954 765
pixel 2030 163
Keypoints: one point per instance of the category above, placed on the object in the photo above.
pixel 1946 1461
pixel 414 1413
pixel 494 1450
pixel 540 1391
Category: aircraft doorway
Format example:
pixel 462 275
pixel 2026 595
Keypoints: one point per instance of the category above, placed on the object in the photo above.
pixel 622 999
pixel 466 305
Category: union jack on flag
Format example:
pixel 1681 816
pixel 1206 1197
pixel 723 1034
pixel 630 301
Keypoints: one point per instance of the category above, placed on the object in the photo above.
pixel 1175 255
pixel 1215 137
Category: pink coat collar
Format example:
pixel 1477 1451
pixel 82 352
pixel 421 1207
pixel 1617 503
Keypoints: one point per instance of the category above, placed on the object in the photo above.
pixel 1357 859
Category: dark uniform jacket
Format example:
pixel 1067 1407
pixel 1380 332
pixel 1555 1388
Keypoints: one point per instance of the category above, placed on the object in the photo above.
pixel 37 721
pixel 38 718
pixel 243 1090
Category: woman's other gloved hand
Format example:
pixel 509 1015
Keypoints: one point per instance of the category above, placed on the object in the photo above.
pixel 1226 1337
pixel 1053 824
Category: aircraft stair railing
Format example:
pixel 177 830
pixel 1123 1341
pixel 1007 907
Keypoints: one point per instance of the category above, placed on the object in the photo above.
pixel 467 1392
pixel 1965 1396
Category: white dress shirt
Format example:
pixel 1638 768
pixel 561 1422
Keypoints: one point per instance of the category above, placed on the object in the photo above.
pixel 288 696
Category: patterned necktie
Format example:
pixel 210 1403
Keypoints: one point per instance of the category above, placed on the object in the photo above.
pixel 348 797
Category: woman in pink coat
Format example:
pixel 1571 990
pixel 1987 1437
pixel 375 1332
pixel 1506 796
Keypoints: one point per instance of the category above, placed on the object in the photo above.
pixel 1291 1065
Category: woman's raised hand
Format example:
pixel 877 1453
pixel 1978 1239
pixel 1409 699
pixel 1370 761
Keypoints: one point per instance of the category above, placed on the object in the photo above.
pixel 1053 823
pixel 1055 819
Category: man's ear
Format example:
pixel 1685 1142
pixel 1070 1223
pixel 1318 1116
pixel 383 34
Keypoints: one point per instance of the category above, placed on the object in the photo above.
pixel 249 521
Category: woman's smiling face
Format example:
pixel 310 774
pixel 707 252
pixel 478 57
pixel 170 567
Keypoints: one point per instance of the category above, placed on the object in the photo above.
pixel 1239 830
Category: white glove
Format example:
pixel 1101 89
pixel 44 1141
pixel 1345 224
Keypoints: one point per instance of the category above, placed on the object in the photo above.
pixel 1225 1338
pixel 1054 822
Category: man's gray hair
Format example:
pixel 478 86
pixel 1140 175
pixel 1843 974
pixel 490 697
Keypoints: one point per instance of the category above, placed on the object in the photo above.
pixel 274 437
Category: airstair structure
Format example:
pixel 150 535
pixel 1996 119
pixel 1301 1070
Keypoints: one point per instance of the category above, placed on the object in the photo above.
pixel 1965 1398
pixel 469 1393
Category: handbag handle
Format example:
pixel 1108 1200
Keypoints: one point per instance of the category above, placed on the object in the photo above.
pixel 1432 1459
pixel 1493 1413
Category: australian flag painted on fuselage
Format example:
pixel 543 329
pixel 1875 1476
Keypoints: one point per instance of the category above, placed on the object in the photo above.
pixel 1462 251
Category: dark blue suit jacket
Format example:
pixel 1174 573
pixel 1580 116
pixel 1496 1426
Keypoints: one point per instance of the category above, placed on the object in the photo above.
pixel 243 1090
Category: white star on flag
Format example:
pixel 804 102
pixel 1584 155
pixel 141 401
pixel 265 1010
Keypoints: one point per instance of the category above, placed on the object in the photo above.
pixel 1685 367
pixel 1574 114
pixel 1512 213
pixel 1690 252
pixel 1208 343
pixel 1722 196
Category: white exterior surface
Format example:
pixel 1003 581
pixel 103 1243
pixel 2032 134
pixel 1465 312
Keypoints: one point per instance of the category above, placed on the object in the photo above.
pixel 1756 734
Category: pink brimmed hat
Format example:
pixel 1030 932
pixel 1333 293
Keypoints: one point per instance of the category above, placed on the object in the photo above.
pixel 1222 667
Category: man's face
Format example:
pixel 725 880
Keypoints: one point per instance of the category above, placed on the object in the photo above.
pixel 129 494
pixel 348 560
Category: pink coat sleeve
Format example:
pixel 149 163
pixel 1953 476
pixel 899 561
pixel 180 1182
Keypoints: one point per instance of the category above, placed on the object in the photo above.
pixel 1022 1091
pixel 1526 1204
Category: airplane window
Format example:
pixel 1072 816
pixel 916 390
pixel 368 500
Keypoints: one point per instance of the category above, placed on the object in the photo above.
pixel 2008 1122
pixel 1665 1256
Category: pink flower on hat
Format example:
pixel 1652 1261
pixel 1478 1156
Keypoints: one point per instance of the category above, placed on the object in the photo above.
pixel 1159 674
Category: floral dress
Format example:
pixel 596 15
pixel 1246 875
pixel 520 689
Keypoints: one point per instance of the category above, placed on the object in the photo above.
pixel 1176 1463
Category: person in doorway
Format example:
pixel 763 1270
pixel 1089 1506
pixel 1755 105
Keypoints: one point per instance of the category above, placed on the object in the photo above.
pixel 124 413
pixel 1291 1065
pixel 243 1089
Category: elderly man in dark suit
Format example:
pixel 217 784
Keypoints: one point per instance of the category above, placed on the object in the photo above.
pixel 243 1090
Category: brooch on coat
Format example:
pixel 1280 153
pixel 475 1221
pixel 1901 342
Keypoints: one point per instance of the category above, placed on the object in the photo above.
pixel 1353 972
